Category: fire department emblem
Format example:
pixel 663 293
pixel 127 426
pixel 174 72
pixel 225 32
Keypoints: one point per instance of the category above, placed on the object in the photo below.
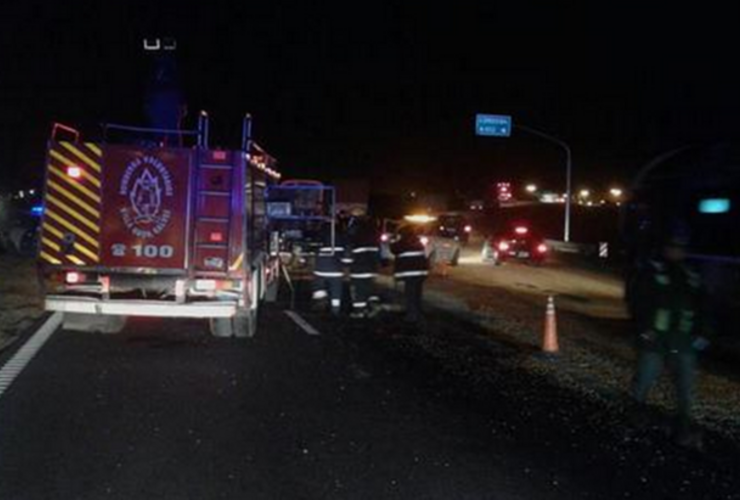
pixel 147 185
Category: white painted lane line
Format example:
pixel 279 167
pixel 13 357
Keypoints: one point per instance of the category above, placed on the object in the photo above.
pixel 25 354
pixel 305 326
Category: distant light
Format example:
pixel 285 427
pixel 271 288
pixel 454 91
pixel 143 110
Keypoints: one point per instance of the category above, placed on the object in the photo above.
pixel 37 210
pixel 616 192
pixel 74 172
pixel 521 230
pixel 542 248
pixel 531 188
pixel 21 194
pixel 468 229
pixel 385 237
pixel 32 192
pixel 420 218
pixel 714 206
pixel 503 246
pixel 424 240
pixel 584 193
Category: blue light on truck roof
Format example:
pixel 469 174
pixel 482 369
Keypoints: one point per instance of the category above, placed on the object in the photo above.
pixel 714 206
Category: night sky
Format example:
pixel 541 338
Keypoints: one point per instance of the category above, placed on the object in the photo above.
pixel 386 92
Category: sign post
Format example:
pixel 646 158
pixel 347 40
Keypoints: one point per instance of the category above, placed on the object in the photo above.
pixel 502 125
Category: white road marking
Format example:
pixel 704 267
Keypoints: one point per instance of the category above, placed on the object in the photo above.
pixel 305 326
pixel 25 354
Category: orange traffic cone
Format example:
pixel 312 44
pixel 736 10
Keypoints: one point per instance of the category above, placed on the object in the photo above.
pixel 550 336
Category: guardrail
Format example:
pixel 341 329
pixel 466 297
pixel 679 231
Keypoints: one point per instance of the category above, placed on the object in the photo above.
pixel 587 249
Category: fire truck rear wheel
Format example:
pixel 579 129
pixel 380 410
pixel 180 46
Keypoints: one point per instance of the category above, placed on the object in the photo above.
pixel 221 327
pixel 245 324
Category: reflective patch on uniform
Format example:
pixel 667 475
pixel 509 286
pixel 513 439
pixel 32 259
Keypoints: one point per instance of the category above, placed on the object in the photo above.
pixel 662 279
pixel 320 294
pixel 686 325
pixel 365 250
pixel 662 320
pixel 411 254
pixel 322 274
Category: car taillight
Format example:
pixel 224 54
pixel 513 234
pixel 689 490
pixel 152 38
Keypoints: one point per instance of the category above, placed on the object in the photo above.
pixel 73 278
pixel 74 172
pixel 503 246
pixel 424 240
pixel 521 230
pixel 542 248
pixel 468 229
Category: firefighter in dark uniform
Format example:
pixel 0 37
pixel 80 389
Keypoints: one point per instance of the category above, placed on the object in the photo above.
pixel 364 259
pixel 411 267
pixel 329 271
pixel 666 309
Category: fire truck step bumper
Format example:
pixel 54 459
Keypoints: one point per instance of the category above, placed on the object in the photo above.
pixel 163 309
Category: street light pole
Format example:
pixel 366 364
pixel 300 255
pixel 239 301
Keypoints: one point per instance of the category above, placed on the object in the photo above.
pixel 568 159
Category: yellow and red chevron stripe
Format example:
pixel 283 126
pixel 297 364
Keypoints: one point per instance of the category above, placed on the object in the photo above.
pixel 70 232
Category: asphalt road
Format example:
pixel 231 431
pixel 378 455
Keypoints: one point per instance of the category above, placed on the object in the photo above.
pixel 590 292
pixel 364 410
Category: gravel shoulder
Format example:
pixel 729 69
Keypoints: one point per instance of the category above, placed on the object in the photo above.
pixel 20 298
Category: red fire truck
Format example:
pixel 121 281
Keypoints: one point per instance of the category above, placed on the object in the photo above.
pixel 143 228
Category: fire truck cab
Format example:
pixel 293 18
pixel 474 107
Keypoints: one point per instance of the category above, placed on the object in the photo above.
pixel 150 229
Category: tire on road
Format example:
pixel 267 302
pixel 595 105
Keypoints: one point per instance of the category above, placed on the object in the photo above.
pixel 221 327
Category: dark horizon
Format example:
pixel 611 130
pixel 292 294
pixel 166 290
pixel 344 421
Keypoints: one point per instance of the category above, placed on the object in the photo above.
pixel 378 91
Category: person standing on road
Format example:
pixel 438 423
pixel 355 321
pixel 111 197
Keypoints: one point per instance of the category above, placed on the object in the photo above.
pixel 411 267
pixel 666 308
pixel 329 272
pixel 364 260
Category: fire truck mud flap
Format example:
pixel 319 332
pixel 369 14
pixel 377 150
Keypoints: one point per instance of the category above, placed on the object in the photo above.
pixel 93 323
pixel 242 325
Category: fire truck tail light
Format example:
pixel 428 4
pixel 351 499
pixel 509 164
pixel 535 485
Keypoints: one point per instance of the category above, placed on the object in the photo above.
pixel 73 278
pixel 219 155
pixel 521 230
pixel 542 248
pixel 74 172
pixel 216 237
